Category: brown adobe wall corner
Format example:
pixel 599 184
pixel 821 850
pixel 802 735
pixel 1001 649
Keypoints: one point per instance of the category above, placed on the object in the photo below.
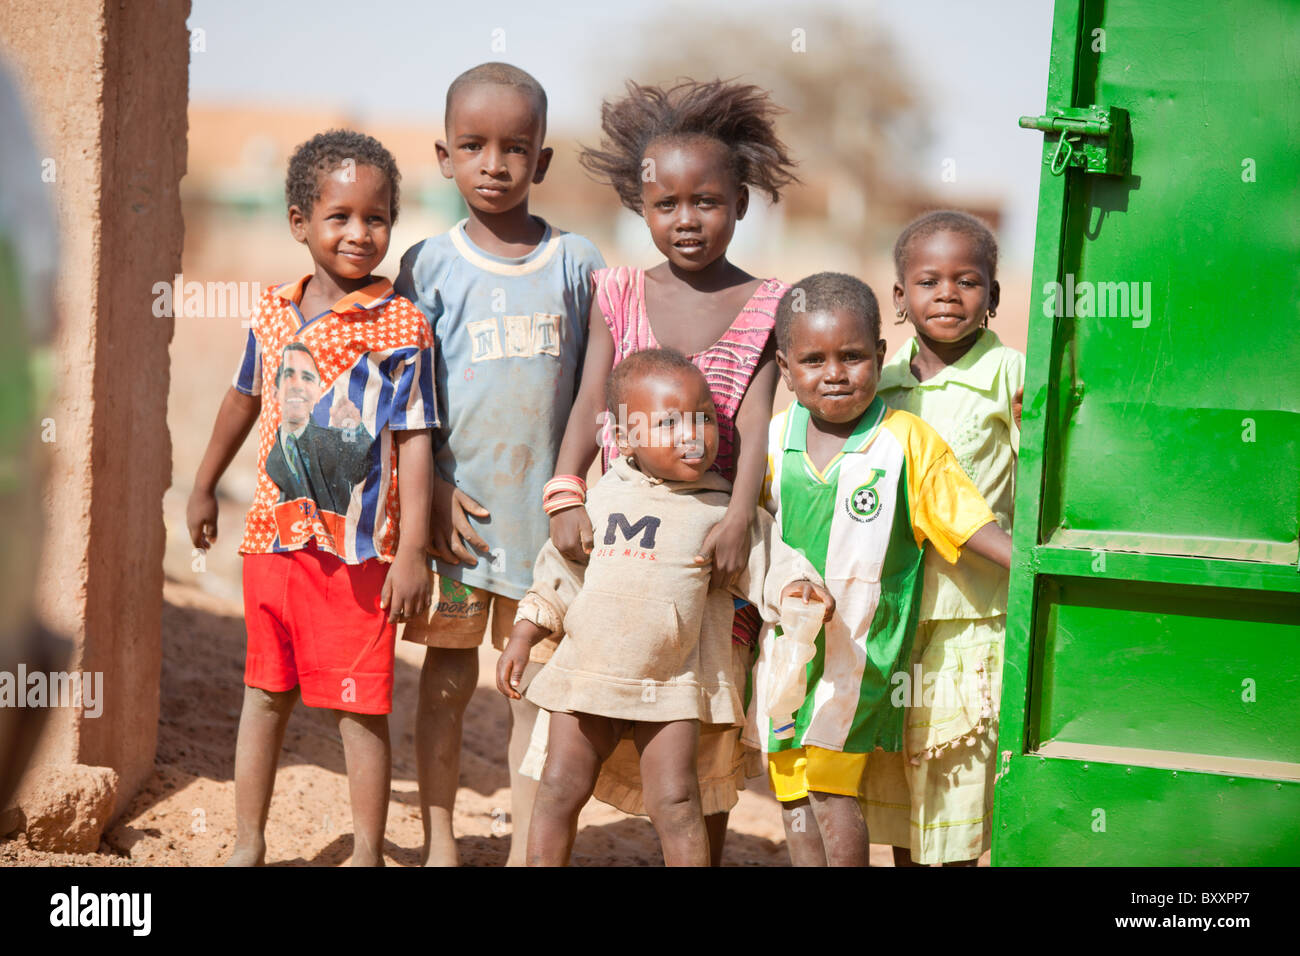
pixel 106 84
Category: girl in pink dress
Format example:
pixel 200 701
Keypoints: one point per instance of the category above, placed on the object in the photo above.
pixel 684 159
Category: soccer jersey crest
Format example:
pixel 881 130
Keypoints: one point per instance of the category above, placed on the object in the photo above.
pixel 863 503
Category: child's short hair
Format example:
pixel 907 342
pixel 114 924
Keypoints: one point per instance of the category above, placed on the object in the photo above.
pixel 638 364
pixel 497 74
pixel 823 292
pixel 326 152
pixel 735 114
pixel 947 220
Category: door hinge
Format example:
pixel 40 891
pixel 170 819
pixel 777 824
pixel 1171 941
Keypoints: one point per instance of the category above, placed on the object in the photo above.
pixel 1095 139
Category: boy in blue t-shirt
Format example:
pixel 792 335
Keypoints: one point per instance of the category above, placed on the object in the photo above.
pixel 508 297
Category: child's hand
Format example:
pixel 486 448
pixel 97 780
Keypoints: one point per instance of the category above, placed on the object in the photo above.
pixel 1017 403
pixel 510 668
pixel 572 535
pixel 406 588
pixel 451 536
pixel 808 591
pixel 201 518
pixel 727 544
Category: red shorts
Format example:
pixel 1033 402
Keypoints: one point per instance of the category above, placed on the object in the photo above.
pixel 315 623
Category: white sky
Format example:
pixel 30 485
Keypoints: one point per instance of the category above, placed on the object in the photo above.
pixel 983 64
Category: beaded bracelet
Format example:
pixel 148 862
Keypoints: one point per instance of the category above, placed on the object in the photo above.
pixel 563 491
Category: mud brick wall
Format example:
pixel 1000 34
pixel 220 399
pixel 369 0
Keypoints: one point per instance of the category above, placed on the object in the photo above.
pixel 106 83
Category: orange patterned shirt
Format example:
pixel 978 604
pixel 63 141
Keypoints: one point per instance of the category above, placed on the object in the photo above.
pixel 335 387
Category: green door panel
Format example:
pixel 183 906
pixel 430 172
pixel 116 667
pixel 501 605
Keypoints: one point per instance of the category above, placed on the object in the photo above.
pixel 1102 814
pixel 1152 671
pixel 1161 667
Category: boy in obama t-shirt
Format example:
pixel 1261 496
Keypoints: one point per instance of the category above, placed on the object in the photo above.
pixel 334 541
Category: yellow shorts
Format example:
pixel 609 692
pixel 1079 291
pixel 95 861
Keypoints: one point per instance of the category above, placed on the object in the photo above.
pixel 461 616
pixel 795 772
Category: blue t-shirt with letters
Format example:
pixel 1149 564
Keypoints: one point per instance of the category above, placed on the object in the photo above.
pixel 510 338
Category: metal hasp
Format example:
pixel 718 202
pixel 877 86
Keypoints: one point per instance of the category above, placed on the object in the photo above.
pixel 1095 139
pixel 1150 702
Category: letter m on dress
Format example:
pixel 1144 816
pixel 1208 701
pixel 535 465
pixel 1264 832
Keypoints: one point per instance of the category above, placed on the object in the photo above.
pixel 649 525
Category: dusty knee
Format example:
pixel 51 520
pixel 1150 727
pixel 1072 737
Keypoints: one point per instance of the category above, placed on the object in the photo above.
pixel 271 703
pixel 834 803
pixel 797 815
pixel 837 813
pixel 560 794
pixel 670 798
pixel 448 678
pixel 362 725
pixel 568 777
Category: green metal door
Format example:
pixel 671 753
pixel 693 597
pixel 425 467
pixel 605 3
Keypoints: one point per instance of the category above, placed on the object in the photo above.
pixel 1151 698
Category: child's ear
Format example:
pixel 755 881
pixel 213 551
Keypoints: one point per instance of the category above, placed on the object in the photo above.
pixel 444 160
pixel 543 163
pixel 298 223
pixel 621 442
pixel 900 297
pixel 881 345
pixel 784 366
pixel 995 295
pixel 742 201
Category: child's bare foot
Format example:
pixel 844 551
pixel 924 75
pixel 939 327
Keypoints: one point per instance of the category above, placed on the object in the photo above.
pixel 248 853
